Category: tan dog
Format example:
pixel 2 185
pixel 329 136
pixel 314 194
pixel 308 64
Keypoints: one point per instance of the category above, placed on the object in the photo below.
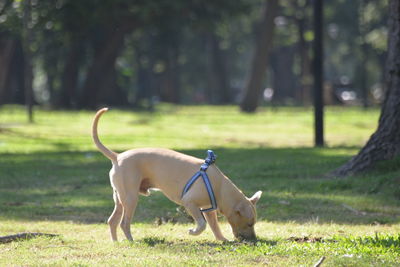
pixel 136 171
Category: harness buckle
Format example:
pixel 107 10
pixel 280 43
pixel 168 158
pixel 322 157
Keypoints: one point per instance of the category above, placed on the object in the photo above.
pixel 211 158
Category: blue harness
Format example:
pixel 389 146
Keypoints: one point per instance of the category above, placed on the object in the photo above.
pixel 208 161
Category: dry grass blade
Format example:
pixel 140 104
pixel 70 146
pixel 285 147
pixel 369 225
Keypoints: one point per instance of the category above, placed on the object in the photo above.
pixel 321 260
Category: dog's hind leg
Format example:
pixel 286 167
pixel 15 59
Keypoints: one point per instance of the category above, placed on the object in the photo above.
pixel 115 217
pixel 212 219
pixel 129 203
pixel 128 194
pixel 197 215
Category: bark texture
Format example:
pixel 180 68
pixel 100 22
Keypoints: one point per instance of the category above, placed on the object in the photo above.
pixel 384 144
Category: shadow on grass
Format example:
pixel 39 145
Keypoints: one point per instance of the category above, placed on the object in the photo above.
pixel 37 138
pixel 153 241
pixel 74 186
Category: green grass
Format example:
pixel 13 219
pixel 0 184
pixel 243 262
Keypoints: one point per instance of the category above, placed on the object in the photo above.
pixel 53 180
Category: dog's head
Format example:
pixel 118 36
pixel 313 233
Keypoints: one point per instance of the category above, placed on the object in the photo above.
pixel 243 217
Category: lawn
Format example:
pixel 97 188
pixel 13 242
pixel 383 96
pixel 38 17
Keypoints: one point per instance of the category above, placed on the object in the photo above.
pixel 53 180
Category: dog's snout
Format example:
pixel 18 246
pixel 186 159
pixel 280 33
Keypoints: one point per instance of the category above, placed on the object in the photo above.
pixel 249 236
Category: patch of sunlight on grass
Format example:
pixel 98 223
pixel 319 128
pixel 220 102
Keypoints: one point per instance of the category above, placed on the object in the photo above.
pixel 182 127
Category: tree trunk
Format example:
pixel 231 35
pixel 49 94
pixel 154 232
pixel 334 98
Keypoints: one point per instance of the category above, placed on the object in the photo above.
pixel 112 93
pixel 170 85
pixel 253 89
pixel 219 72
pixel 16 90
pixel 363 76
pixel 144 91
pixel 384 144
pixel 284 82
pixel 303 95
pixel 318 71
pixel 363 73
pixel 69 80
pixel 28 67
pixel 101 67
pixel 7 47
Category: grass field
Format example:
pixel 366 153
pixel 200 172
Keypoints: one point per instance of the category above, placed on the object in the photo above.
pixel 53 180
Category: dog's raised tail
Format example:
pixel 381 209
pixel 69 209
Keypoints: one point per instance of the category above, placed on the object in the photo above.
pixel 106 152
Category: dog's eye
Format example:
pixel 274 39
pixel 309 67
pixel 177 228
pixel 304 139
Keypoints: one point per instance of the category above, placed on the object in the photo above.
pixel 250 225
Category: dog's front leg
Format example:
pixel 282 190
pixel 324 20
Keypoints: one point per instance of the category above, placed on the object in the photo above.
pixel 212 219
pixel 195 212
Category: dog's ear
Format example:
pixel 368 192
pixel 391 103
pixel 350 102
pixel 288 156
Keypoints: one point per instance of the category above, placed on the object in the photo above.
pixel 256 197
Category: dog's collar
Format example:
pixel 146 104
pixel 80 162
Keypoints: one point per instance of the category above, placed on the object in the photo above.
pixel 208 161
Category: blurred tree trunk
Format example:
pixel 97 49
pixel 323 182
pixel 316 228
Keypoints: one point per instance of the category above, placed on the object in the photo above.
pixel 51 60
pixel 69 79
pixel 304 93
pixel 318 71
pixel 112 93
pixel 253 89
pixel 219 72
pixel 170 85
pixel 144 92
pixel 51 82
pixel 384 144
pixel 16 84
pixel 363 72
pixel 284 82
pixel 12 73
pixel 7 48
pixel 28 67
pixel 101 67
pixel 363 75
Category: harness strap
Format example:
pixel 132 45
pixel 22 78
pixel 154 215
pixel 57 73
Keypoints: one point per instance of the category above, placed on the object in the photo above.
pixel 208 161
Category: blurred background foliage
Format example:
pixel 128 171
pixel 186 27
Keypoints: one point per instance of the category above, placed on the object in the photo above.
pixel 137 53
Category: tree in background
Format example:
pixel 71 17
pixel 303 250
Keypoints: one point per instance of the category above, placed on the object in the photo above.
pixel 384 144
pixel 12 86
pixel 356 47
pixel 254 85
pixel 290 61
pixel 122 52
pixel 27 37
pixel 7 49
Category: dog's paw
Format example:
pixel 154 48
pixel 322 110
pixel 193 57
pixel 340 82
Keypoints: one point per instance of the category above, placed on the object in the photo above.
pixel 194 232
pixel 198 230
